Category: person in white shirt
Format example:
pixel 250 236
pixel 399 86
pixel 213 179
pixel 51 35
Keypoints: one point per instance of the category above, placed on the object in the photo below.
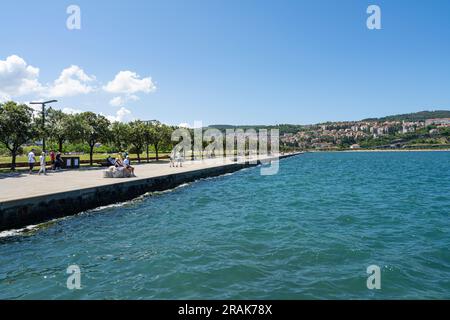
pixel 42 163
pixel 127 164
pixel 31 160
pixel 178 159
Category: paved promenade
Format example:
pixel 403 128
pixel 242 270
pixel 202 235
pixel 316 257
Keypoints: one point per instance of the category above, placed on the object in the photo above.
pixel 21 186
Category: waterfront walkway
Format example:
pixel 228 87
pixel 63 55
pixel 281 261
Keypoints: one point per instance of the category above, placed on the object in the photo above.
pixel 22 186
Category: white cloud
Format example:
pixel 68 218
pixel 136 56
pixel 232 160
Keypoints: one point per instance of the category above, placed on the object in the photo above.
pixel 117 101
pixel 72 81
pixel 71 111
pixel 185 125
pixel 121 101
pixel 122 115
pixel 4 97
pixel 37 108
pixel 128 82
pixel 189 126
pixel 17 78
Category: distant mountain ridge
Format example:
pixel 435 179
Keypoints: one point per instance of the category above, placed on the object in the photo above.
pixel 415 116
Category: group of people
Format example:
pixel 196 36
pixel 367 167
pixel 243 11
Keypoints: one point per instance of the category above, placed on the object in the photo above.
pixel 176 159
pixel 122 163
pixel 55 159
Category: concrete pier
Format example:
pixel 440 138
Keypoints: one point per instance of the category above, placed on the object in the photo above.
pixel 32 199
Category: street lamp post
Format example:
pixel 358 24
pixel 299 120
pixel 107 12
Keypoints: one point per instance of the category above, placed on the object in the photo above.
pixel 43 119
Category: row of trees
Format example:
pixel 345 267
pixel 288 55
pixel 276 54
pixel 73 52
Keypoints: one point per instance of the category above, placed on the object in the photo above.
pixel 19 125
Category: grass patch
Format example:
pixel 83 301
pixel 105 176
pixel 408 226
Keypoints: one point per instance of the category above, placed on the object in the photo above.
pixel 96 157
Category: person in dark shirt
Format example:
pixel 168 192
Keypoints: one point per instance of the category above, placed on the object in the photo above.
pixel 52 159
pixel 58 161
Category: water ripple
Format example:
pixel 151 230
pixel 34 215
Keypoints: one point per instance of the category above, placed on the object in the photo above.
pixel 308 232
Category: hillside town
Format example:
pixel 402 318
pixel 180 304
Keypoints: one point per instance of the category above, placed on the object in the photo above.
pixel 359 134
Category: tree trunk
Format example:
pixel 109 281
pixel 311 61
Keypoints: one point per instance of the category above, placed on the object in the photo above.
pixel 13 162
pixel 91 152
pixel 60 141
pixel 148 159
pixel 138 153
pixel 156 151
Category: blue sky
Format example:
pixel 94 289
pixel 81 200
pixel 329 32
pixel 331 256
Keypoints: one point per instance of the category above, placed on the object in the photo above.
pixel 229 62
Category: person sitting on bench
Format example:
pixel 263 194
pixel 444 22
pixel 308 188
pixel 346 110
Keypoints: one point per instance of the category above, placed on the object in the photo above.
pixel 127 164
pixel 111 161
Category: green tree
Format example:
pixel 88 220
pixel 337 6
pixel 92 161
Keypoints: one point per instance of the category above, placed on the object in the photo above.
pixel 58 126
pixel 91 128
pixel 16 127
pixel 120 134
pixel 159 135
pixel 137 137
pixel 148 140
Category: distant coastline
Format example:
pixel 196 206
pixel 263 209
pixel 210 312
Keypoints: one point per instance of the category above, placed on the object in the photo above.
pixel 384 150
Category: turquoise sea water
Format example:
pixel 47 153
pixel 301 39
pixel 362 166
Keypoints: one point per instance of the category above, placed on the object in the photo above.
pixel 308 232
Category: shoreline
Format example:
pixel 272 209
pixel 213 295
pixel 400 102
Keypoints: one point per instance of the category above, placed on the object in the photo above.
pixel 78 191
pixel 387 150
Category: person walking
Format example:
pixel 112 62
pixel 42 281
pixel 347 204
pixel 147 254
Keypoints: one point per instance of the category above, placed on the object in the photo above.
pixel 58 161
pixel 43 164
pixel 31 160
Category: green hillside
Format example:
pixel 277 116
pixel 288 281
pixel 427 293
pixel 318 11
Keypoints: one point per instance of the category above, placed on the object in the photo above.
pixel 416 116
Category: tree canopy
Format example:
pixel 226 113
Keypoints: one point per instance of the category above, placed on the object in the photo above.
pixel 16 127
